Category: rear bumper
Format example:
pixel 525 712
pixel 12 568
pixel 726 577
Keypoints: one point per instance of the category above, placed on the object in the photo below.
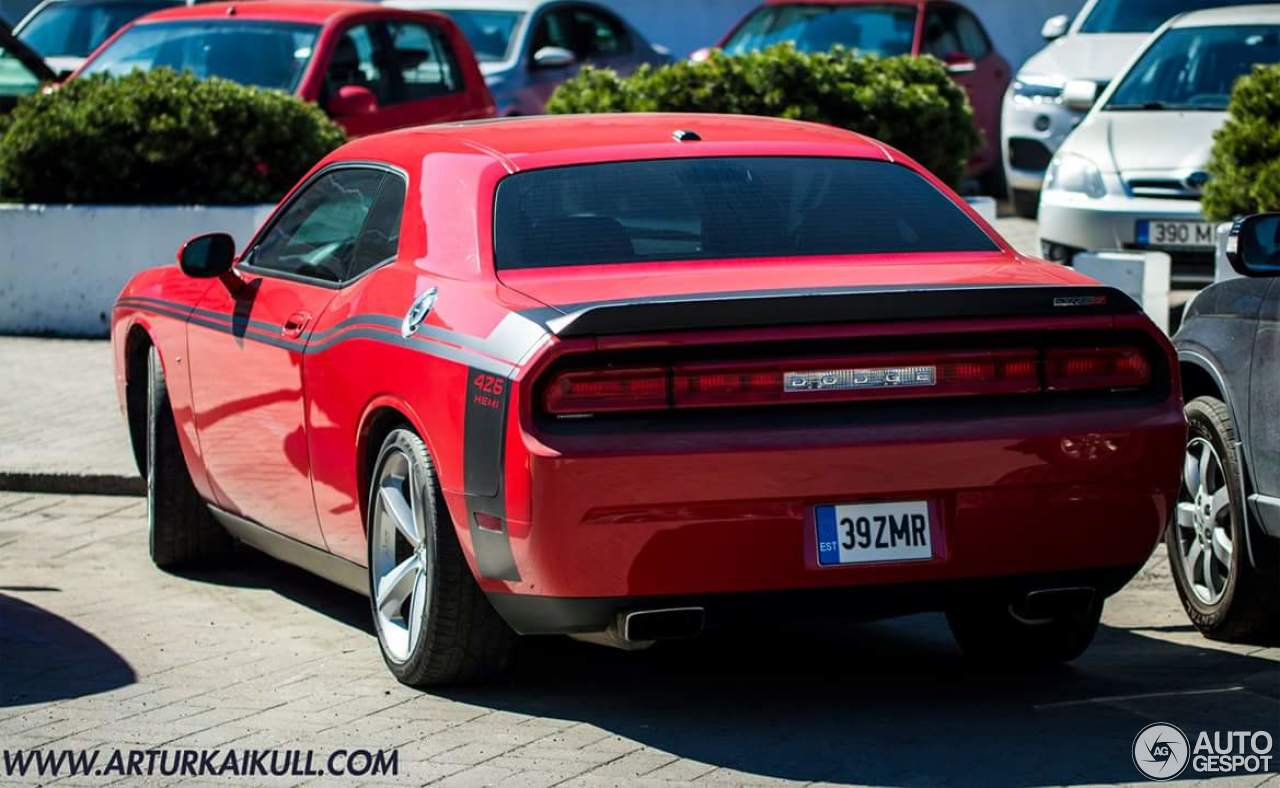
pixel 654 515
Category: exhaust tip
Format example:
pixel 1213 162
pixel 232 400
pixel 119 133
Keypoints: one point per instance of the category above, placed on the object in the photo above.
pixel 665 624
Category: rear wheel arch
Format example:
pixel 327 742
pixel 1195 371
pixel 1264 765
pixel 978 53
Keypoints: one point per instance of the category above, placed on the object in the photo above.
pixel 1197 381
pixel 379 420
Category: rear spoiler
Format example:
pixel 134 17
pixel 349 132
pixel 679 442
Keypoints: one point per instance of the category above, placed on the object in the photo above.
pixel 792 307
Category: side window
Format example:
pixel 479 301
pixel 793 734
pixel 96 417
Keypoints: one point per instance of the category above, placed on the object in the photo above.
pixel 15 78
pixel 598 35
pixel 380 238
pixel 973 39
pixel 553 31
pixel 421 63
pixel 354 61
pixel 941 38
pixel 317 234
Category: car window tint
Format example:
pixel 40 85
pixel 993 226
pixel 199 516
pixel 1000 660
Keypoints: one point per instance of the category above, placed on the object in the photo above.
pixel 380 238
pixel 722 208
pixel 864 28
pixel 316 235
pixel 973 41
pixel 352 62
pixel 15 78
pixel 597 34
pixel 941 36
pixel 422 63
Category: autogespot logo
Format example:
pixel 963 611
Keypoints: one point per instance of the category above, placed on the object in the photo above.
pixel 1160 751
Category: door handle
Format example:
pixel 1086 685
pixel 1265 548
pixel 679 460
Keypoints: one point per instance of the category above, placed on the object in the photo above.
pixel 295 324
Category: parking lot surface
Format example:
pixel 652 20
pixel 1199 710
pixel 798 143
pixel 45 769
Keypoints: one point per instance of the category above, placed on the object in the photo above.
pixel 100 650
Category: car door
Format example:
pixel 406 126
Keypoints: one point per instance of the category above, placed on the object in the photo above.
pixel 1264 404
pixel 593 35
pixel 955 36
pixel 246 344
pixel 409 66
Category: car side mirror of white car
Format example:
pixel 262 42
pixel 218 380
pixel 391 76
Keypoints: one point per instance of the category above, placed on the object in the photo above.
pixel 1253 245
pixel 1055 27
pixel 1079 94
pixel 554 57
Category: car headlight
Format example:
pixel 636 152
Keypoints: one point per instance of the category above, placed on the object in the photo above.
pixel 1072 173
pixel 1036 86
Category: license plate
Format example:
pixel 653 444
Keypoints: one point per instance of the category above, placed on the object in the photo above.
pixel 863 533
pixel 1151 232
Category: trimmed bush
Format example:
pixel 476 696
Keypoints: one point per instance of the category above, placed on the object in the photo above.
pixel 907 102
pixel 160 137
pixel 1244 168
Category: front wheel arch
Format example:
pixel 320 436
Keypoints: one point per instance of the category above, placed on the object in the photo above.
pixel 137 346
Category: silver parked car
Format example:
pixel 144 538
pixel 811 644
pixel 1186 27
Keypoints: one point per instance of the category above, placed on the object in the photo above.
pixel 1130 176
pixel 526 48
pixel 1037 116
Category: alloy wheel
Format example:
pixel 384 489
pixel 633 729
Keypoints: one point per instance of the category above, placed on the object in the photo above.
pixel 400 556
pixel 1203 522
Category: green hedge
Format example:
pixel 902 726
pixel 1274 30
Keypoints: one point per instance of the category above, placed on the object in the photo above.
pixel 1244 168
pixel 907 102
pixel 159 137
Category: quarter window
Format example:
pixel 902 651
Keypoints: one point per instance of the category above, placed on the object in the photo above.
pixel 342 224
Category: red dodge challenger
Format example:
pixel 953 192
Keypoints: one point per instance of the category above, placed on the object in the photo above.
pixel 629 377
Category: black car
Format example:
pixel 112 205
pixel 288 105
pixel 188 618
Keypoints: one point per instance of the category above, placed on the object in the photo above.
pixel 22 71
pixel 1224 543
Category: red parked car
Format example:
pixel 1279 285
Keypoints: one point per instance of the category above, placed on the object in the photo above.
pixel 627 377
pixel 372 68
pixel 946 30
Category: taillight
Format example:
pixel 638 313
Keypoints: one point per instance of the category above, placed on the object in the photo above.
pixel 1073 369
pixel 604 390
pixel 914 375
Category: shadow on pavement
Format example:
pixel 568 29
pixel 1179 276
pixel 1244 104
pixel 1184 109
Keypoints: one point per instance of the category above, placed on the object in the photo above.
pixel 890 703
pixel 44 657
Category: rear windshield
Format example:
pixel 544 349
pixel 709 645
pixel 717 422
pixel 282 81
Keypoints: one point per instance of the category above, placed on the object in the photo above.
pixel 715 208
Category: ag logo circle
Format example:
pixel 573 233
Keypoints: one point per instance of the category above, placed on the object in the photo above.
pixel 1160 751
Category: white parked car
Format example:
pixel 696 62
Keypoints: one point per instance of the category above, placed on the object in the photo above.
pixel 1036 115
pixel 1131 175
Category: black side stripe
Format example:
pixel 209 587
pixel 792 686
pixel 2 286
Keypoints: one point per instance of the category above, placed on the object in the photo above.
pixel 483 475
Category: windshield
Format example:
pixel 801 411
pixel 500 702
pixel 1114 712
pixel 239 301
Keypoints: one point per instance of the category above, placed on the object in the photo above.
pixel 723 208
pixel 866 29
pixel 1194 68
pixel 76 29
pixel 265 54
pixel 488 32
pixel 1144 16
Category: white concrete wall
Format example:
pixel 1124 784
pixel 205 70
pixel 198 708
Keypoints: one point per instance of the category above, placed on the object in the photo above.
pixel 686 25
pixel 62 266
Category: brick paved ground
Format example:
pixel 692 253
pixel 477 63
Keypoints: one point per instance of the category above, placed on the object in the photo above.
pixel 99 650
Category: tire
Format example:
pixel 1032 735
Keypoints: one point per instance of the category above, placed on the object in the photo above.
pixel 180 530
pixel 442 630
pixel 1236 602
pixel 989 630
pixel 1025 203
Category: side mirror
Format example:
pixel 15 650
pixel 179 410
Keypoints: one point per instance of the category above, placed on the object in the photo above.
pixel 1079 94
pixel 1055 27
pixel 352 100
pixel 554 57
pixel 1253 245
pixel 959 63
pixel 207 256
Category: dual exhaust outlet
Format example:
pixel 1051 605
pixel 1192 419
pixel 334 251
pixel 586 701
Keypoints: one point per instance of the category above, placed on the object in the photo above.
pixel 640 629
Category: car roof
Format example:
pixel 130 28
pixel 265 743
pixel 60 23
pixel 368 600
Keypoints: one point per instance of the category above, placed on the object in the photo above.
pixel 1231 15
pixel 557 139
pixel 283 10
pixel 471 5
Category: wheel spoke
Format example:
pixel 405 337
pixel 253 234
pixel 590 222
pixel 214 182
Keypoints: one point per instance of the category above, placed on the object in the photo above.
pixel 1222 546
pixel 1219 503
pixel 401 512
pixel 415 607
pixel 1206 571
pixel 1186 515
pixel 1191 560
pixel 1206 458
pixel 397 585
pixel 1191 470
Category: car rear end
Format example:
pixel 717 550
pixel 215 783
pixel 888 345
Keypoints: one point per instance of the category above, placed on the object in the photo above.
pixel 732 437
